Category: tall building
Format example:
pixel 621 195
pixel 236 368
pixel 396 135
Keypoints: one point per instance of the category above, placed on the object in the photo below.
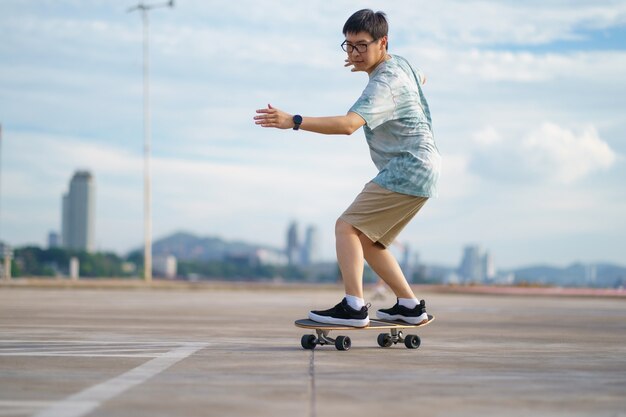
pixel 165 266
pixel 302 253
pixel 407 263
pixel 477 266
pixel 489 266
pixel 293 245
pixel 310 249
pixel 78 218
pixel 54 240
pixel 591 274
pixel 471 268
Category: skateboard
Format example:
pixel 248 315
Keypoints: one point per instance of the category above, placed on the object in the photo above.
pixel 393 335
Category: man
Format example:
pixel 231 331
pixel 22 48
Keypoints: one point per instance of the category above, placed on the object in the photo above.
pixel 396 120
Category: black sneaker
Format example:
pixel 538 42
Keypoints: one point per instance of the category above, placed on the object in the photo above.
pixel 342 314
pixel 415 315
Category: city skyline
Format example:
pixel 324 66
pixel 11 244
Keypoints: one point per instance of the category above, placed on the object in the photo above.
pixel 302 252
pixel 78 217
pixel 526 102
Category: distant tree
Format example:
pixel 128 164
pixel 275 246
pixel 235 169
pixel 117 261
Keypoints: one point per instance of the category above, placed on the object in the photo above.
pixel 34 261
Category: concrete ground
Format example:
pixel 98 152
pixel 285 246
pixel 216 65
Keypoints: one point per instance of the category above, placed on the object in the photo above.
pixel 234 351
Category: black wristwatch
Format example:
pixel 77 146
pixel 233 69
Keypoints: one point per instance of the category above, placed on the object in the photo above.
pixel 297 121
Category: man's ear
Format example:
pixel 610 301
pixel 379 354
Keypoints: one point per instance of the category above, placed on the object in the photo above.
pixel 384 42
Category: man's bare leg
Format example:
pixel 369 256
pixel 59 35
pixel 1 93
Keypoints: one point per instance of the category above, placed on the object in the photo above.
pixel 382 261
pixel 351 311
pixel 350 257
pixel 408 308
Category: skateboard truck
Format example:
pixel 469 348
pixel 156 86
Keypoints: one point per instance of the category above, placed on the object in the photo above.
pixel 411 341
pixel 309 341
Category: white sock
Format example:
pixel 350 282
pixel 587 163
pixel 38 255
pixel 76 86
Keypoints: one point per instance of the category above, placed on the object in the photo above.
pixel 408 302
pixel 355 302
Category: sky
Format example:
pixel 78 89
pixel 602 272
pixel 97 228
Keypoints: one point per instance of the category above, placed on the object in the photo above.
pixel 527 100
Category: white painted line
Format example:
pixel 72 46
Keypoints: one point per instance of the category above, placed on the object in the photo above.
pixel 95 349
pixel 93 342
pixel 56 351
pixel 13 408
pixel 25 403
pixel 84 402
pixel 84 355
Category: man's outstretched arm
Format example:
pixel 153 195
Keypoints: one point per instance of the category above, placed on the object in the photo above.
pixel 333 125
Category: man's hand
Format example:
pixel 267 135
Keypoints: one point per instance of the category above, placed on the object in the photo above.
pixel 348 64
pixel 273 117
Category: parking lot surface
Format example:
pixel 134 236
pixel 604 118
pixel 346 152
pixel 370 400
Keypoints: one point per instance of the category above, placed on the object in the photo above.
pixel 234 351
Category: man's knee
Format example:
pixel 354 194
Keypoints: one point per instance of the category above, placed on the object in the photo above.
pixel 344 228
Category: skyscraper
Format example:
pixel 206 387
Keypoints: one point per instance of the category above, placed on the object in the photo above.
pixel 489 266
pixel 477 266
pixel 54 240
pixel 293 244
pixel 471 269
pixel 78 218
pixel 310 248
pixel 302 253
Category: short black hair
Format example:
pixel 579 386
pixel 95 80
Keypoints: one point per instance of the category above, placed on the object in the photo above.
pixel 366 20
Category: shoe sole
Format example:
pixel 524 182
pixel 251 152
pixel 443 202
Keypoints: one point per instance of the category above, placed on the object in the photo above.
pixel 411 320
pixel 342 322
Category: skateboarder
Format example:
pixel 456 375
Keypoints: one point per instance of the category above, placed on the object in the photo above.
pixel 396 120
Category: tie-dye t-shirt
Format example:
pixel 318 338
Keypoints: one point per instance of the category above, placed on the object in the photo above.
pixel 398 129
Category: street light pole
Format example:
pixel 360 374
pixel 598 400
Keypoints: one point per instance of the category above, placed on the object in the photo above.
pixel 4 275
pixel 147 138
pixel 6 253
pixel 0 182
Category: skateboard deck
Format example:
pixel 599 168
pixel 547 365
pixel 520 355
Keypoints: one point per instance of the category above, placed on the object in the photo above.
pixel 386 339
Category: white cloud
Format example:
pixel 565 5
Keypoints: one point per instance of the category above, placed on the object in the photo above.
pixel 480 23
pixel 456 181
pixel 564 155
pixel 500 66
pixel 487 136
pixel 444 62
pixel 548 153
pixel 530 67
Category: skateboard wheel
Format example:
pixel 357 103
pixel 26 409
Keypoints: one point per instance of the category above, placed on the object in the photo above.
pixel 343 343
pixel 384 340
pixel 308 341
pixel 412 341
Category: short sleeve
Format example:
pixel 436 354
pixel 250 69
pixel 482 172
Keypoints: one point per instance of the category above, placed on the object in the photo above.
pixel 420 76
pixel 376 104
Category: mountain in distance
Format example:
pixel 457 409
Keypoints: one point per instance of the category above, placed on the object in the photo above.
pixel 187 246
pixel 575 275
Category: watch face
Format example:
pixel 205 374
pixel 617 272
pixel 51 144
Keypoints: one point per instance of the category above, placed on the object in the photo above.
pixel 297 119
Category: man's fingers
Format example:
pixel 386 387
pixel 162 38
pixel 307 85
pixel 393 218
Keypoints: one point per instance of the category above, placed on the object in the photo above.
pixel 266 120
pixel 268 117
pixel 265 123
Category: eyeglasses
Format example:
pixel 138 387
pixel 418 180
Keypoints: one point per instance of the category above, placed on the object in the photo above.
pixel 360 47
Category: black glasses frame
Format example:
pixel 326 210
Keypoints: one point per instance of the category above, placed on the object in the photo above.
pixel 360 47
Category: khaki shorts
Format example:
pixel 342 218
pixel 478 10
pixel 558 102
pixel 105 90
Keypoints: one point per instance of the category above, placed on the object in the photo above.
pixel 381 214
